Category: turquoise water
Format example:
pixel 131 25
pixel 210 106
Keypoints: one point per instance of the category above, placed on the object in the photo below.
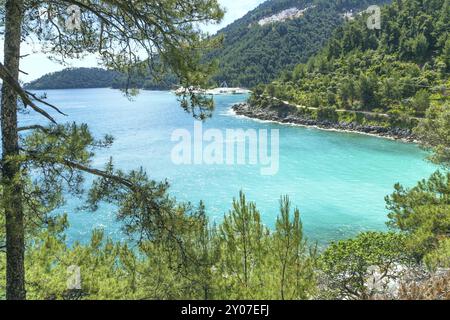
pixel 338 180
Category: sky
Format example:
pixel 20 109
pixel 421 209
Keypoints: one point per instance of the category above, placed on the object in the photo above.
pixel 36 64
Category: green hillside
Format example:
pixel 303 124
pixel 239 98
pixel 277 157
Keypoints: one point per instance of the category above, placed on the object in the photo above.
pixel 254 53
pixel 76 78
pixel 401 69
pixel 73 78
pixel 251 53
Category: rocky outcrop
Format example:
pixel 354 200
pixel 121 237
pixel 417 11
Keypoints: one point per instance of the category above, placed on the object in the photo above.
pixel 289 116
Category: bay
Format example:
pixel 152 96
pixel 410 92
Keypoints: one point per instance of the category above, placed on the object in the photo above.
pixel 337 180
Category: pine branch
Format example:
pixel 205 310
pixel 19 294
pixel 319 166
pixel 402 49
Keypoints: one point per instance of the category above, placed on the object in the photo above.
pixel 81 167
pixel 6 77
pixel 99 173
pixel 45 102
pixel 33 127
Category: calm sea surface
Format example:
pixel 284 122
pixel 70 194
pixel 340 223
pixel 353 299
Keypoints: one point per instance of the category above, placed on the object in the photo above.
pixel 338 180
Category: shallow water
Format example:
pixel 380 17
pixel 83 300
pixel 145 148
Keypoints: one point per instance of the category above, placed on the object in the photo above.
pixel 338 180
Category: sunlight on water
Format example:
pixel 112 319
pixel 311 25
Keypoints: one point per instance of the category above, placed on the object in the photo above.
pixel 338 180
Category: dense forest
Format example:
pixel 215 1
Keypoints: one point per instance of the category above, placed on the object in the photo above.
pixel 252 53
pixel 400 70
pixel 74 78
pixel 78 78
pixel 170 249
pixel 179 254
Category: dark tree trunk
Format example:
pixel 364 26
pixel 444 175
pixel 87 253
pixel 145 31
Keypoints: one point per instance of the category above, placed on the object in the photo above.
pixel 12 188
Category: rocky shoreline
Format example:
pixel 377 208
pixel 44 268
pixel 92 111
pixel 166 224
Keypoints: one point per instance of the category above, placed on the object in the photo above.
pixel 288 117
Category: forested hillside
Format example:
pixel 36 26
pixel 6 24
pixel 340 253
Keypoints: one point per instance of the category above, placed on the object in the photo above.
pixel 251 53
pixel 76 78
pixel 254 53
pixel 72 78
pixel 401 69
pixel 170 249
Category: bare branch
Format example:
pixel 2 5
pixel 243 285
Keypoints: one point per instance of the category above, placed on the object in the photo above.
pixel 46 103
pixel 4 74
pixel 33 127
pixel 78 166
pixel 99 173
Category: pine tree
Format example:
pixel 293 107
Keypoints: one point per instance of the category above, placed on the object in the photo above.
pixel 293 259
pixel 116 31
pixel 243 236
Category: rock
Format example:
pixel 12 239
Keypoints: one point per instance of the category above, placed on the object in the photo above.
pixel 291 116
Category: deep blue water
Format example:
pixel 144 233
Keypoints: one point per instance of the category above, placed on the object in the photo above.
pixel 338 180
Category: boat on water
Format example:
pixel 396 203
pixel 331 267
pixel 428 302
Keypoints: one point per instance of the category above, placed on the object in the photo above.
pixel 227 91
pixel 191 90
pixel 212 92
pixel 222 90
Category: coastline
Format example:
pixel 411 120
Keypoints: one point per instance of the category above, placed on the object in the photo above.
pixel 267 115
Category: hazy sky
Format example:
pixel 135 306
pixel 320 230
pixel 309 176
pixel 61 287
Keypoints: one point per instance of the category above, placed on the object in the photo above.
pixel 37 64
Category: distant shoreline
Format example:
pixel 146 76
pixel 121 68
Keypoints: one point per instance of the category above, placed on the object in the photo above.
pixel 93 88
pixel 396 134
pixel 87 88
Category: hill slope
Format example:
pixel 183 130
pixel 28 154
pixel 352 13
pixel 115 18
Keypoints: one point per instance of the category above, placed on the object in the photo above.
pixel 75 78
pixel 397 72
pixel 276 36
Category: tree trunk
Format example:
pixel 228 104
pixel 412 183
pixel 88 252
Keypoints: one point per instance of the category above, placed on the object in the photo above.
pixel 12 187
